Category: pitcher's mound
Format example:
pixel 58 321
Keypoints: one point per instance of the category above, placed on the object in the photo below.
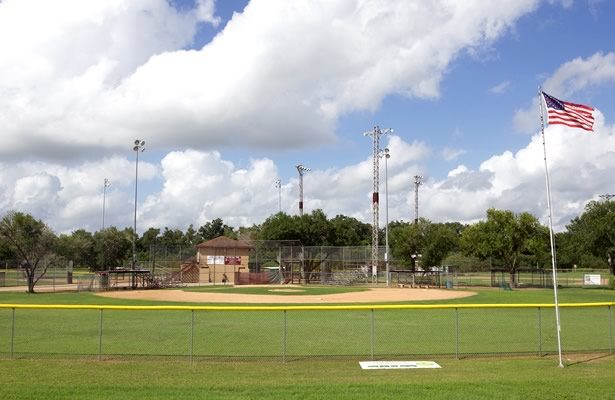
pixel 373 295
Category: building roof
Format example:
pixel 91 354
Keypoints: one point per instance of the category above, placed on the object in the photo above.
pixel 223 242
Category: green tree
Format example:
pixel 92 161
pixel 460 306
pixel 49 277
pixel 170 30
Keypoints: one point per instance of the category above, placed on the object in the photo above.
pixel 171 237
pixel 149 238
pixel 594 231
pixel 248 232
pixel 192 237
pixel 215 228
pixel 5 251
pixel 407 240
pixel 113 248
pixel 440 240
pixel 312 229
pixel 503 236
pixel 348 231
pixel 78 247
pixel 431 241
pixel 281 226
pixel 465 263
pixel 32 242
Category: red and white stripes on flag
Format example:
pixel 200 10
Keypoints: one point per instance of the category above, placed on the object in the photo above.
pixel 569 114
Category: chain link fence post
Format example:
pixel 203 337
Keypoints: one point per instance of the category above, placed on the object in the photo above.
pixel 457 333
pixel 192 336
pixel 12 333
pixel 100 335
pixel 539 333
pixel 373 333
pixel 284 339
pixel 610 330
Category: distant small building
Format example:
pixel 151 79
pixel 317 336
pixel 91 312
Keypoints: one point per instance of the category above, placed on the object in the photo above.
pixel 220 258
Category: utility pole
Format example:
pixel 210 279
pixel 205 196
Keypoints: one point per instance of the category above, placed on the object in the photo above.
pixel 418 181
pixel 375 134
pixel 607 196
pixel 301 169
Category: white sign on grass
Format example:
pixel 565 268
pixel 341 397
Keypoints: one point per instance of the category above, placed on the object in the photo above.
pixel 397 364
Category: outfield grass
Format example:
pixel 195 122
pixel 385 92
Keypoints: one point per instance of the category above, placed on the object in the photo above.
pixel 300 334
pixel 467 379
pixel 66 343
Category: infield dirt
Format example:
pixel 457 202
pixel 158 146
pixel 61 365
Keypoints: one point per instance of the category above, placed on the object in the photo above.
pixel 373 295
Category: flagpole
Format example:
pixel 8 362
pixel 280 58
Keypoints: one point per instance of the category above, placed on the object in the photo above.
pixel 553 263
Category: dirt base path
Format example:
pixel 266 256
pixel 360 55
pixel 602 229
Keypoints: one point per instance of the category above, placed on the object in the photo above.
pixel 373 295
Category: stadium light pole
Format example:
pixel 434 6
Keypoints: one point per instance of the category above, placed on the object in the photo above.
pixel 386 155
pixel 418 181
pixel 106 184
pixel 375 134
pixel 301 169
pixel 278 185
pixel 139 147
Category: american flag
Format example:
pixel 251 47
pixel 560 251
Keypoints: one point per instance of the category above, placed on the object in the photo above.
pixel 569 114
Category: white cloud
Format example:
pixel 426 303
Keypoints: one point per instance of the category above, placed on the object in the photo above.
pixel 206 12
pixel 87 76
pixel 564 3
pixel 70 197
pixel 500 88
pixel 197 187
pixel 81 78
pixel 570 79
pixel 579 166
pixel 200 186
pixel 581 73
pixel 450 154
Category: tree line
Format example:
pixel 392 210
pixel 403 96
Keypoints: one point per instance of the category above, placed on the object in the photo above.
pixel 504 239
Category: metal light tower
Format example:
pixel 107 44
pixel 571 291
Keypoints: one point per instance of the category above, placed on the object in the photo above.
pixel 106 184
pixel 301 169
pixel 375 134
pixel 278 185
pixel 418 181
pixel 386 155
pixel 139 147
pixel 607 196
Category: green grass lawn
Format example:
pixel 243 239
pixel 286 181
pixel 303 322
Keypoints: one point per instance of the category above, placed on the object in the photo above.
pixel 301 334
pixel 56 351
pixel 311 379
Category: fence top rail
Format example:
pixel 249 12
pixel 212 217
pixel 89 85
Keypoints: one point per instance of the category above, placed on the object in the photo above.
pixel 295 308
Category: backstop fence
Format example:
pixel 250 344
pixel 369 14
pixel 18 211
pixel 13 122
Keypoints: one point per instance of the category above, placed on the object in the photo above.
pixel 287 333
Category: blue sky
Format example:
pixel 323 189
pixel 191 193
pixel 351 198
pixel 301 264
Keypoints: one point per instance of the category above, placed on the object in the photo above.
pixel 468 115
pixel 230 95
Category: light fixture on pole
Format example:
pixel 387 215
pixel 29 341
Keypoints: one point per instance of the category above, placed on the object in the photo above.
pixel 278 185
pixel 386 155
pixel 606 196
pixel 139 147
pixel 375 134
pixel 301 169
pixel 418 181
pixel 106 184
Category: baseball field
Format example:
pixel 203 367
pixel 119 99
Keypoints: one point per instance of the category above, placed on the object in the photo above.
pixel 484 352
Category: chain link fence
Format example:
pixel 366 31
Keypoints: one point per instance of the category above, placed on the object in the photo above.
pixel 299 332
